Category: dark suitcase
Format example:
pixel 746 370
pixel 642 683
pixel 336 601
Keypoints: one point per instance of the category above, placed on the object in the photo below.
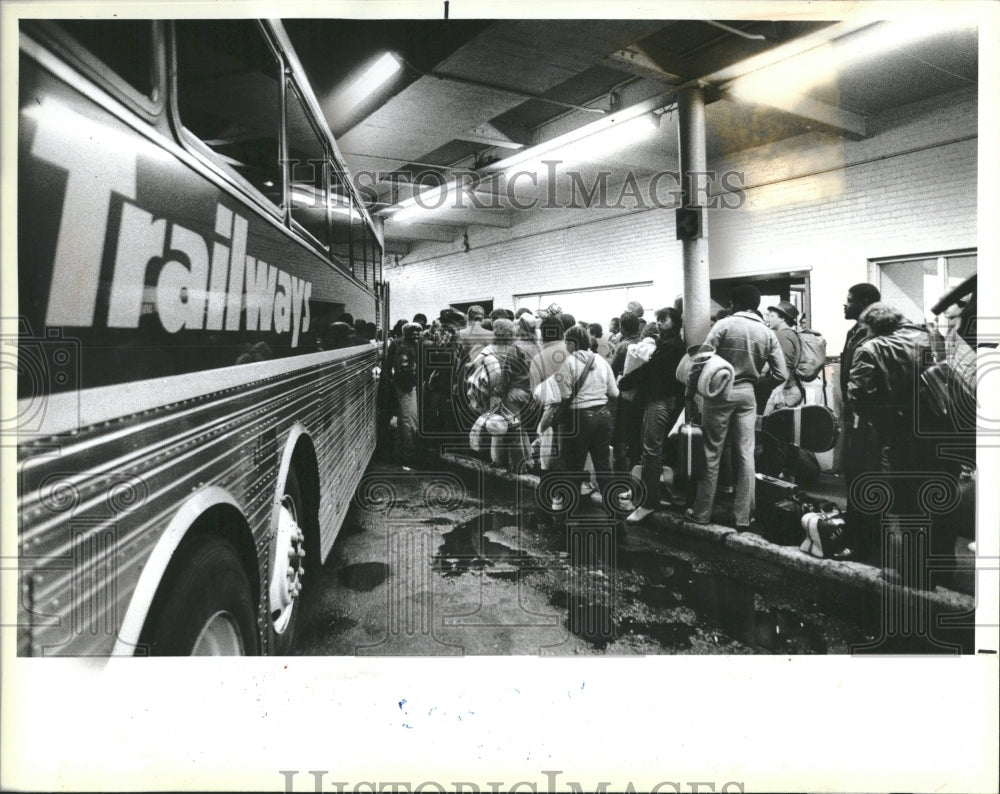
pixel 690 453
pixel 690 460
pixel 785 526
pixel 768 492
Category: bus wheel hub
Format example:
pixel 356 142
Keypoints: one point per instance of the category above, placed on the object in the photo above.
pixel 287 570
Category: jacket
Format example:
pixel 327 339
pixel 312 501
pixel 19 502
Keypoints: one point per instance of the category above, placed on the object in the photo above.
pixel 744 340
pixel 884 376
pixel 655 379
pixel 855 337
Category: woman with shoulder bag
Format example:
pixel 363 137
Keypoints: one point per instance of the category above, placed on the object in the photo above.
pixel 583 425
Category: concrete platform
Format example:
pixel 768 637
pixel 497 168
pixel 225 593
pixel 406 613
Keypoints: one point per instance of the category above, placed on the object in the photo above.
pixel 854 577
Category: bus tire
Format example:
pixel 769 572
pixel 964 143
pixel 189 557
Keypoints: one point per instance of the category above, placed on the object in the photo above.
pixel 209 608
pixel 282 630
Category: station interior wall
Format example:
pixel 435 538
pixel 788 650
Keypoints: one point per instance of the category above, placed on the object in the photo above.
pixel 817 202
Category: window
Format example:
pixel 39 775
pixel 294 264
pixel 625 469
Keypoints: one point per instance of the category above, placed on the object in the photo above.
pixel 228 96
pixel 124 46
pixel 307 170
pixel 346 220
pixel 914 284
pixel 598 304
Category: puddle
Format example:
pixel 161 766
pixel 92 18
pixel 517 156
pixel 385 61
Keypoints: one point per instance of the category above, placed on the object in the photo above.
pixel 363 576
pixel 467 548
pixel 722 604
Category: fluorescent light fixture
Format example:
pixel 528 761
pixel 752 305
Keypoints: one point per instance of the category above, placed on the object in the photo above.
pixel 424 202
pixel 363 86
pixel 595 146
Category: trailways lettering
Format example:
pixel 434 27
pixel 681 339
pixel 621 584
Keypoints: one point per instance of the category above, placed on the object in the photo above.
pixel 194 290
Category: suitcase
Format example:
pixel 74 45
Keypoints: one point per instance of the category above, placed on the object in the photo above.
pixel 690 453
pixel 768 492
pixel 690 460
pixel 785 526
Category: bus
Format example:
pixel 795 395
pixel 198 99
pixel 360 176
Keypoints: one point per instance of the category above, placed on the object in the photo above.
pixel 189 435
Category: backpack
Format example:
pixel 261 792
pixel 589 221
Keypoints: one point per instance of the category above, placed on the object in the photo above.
pixel 813 355
pixel 404 367
pixel 478 388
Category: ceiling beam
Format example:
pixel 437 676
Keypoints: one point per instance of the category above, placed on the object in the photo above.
pixel 419 231
pixel 852 125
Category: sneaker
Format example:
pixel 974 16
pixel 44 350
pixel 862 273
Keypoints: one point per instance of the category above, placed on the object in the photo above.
pixel 639 514
pixel 689 515
pixel 625 504
pixel 596 498
pixel 587 488
pixel 558 503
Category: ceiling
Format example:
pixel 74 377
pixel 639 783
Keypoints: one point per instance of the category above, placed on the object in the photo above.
pixel 472 93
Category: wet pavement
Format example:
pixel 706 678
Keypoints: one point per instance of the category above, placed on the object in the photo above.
pixel 455 562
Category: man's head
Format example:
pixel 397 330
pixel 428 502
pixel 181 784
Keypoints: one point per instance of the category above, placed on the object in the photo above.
pixel 577 338
pixel 859 298
pixel 567 320
pixel 614 325
pixel 881 318
pixel 475 312
pixel 595 330
pixel 421 319
pixel 744 298
pixel 635 307
pixel 629 324
pixel 781 315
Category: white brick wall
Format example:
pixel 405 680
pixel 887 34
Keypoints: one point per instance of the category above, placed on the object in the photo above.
pixel 873 198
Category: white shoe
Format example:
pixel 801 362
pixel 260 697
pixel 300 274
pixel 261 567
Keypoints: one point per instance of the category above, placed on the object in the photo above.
pixel 558 503
pixel 625 504
pixel 596 498
pixel 639 514
pixel 586 488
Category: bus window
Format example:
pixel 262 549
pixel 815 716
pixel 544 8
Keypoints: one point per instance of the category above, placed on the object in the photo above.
pixel 345 215
pixel 228 96
pixel 123 46
pixel 307 167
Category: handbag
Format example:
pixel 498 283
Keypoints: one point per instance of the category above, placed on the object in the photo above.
pixel 562 410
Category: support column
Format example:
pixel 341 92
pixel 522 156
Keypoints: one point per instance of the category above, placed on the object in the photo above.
pixel 693 225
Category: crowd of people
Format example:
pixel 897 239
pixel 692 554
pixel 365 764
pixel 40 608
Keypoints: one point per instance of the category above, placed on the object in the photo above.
pixel 544 392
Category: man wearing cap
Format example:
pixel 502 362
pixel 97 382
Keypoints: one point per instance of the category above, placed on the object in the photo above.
pixel 781 320
pixel 780 459
pixel 745 341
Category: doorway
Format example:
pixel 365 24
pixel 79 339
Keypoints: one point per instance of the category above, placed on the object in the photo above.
pixel 791 286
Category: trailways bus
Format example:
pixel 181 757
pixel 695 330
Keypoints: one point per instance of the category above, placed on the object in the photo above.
pixel 189 439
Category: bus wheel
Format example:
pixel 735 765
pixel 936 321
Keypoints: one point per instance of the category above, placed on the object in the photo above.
pixel 287 569
pixel 209 610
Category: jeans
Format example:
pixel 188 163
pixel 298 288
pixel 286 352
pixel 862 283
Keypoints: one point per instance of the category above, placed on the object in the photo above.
pixel 657 420
pixel 588 431
pixel 626 437
pixel 406 439
pixel 738 415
